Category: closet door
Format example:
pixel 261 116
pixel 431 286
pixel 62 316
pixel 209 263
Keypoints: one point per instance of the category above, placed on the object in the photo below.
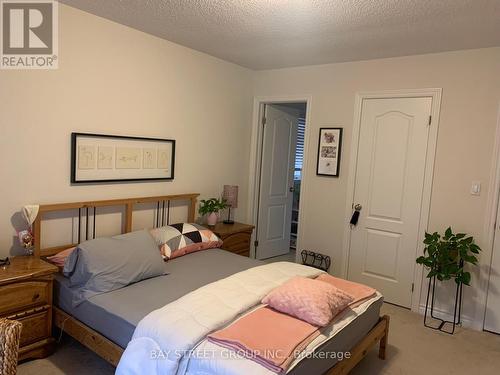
pixel 390 171
pixel 492 320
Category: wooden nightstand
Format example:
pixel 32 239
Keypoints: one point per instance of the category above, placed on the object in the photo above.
pixel 26 296
pixel 236 237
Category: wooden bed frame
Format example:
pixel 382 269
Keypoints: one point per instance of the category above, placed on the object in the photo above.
pixel 163 211
pixel 110 351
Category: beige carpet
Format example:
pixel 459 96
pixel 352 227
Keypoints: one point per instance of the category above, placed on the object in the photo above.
pixel 288 257
pixel 412 349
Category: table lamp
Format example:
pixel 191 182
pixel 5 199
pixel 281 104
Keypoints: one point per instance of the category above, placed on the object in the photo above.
pixel 230 195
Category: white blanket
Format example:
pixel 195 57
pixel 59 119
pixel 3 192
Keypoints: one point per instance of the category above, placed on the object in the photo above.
pixel 162 341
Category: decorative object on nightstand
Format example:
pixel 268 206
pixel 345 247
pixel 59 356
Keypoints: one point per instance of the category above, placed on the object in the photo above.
pixel 230 196
pixel 4 263
pixel 26 238
pixel 210 208
pixel 26 296
pixel 236 237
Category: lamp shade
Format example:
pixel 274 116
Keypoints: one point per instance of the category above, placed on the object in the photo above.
pixel 230 194
pixel 30 212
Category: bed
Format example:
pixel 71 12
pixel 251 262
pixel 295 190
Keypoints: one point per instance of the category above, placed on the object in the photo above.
pixel 105 323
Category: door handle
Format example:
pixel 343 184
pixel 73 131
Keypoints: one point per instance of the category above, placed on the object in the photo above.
pixel 292 189
pixel 355 215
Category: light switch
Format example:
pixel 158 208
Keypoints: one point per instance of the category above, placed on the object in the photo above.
pixel 476 188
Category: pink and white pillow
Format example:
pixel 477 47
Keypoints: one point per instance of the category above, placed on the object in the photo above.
pixel 313 301
pixel 176 240
pixel 60 257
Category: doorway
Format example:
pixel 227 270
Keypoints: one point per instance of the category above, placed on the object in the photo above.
pixel 280 170
pixel 492 297
pixel 391 184
pixel 492 315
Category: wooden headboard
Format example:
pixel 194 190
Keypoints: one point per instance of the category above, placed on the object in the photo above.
pixel 163 211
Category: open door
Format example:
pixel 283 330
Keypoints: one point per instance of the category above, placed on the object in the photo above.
pixel 276 181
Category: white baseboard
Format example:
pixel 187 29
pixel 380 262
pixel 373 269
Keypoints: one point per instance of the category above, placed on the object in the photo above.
pixel 467 322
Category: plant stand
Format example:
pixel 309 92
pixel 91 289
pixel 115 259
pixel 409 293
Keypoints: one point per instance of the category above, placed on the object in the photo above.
pixel 457 313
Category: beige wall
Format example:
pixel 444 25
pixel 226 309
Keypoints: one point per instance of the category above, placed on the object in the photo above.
pixel 470 103
pixel 116 80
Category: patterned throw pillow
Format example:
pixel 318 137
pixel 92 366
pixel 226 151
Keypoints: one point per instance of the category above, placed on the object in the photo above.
pixel 176 240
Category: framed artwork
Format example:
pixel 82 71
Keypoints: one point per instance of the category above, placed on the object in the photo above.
pixel 114 158
pixel 329 151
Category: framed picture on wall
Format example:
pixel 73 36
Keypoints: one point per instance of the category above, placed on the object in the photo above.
pixel 329 151
pixel 115 158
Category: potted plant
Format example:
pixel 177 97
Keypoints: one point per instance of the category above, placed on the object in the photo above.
pixel 446 256
pixel 210 208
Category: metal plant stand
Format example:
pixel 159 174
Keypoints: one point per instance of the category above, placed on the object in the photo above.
pixel 457 312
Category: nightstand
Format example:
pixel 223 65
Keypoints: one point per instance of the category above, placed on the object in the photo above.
pixel 235 237
pixel 26 296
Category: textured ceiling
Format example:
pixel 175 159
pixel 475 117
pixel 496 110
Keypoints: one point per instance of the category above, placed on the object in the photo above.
pixel 264 34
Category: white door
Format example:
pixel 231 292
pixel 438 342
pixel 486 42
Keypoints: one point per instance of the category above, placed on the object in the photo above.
pixel 276 182
pixel 492 319
pixel 390 170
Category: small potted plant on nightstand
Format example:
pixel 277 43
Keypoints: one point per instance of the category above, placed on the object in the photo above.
pixel 210 208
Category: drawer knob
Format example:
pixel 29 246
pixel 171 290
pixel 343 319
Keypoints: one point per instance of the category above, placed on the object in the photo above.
pixel 36 296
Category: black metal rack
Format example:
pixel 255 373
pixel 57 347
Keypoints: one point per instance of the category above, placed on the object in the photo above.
pixel 457 312
pixel 316 260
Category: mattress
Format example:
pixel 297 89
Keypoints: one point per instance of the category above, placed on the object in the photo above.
pixel 116 314
pixel 343 341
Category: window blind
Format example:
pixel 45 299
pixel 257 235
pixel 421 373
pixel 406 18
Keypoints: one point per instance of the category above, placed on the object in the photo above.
pixel 299 151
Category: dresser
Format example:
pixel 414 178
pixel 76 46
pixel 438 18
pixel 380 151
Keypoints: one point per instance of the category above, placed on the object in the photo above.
pixel 236 237
pixel 26 296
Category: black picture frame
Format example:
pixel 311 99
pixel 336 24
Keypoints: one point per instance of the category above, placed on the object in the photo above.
pixel 76 180
pixel 321 168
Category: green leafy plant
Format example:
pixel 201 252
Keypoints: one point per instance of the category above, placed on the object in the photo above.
pixel 207 206
pixel 445 256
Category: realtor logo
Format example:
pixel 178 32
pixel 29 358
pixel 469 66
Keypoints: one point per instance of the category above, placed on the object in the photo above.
pixel 29 34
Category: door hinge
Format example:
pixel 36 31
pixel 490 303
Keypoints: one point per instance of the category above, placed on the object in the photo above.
pixel 430 120
pixel 412 287
pixel 264 121
pixel 256 243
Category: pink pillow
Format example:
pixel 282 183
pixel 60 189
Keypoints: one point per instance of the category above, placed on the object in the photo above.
pixel 313 301
pixel 60 257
